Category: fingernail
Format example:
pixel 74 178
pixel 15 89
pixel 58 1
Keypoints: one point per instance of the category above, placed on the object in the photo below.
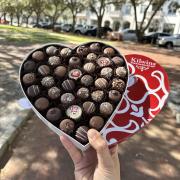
pixel 92 133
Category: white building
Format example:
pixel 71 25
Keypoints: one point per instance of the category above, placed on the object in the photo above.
pixel 166 20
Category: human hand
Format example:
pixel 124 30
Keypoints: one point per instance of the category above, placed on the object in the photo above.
pixel 98 162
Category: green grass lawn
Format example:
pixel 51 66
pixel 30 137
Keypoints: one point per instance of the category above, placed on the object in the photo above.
pixel 27 36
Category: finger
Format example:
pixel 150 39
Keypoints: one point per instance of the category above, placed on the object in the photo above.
pixel 114 150
pixel 73 151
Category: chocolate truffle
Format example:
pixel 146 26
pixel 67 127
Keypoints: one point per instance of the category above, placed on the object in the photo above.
pixel 118 84
pixel 41 103
pixel 54 92
pixel 75 74
pixel 91 57
pixel 74 112
pixel 107 72
pixel 114 95
pixel 66 52
pixel 109 51
pixel 33 90
pixel 53 114
pixel 44 70
pixel 83 93
pixel 74 61
pixel 82 50
pixel 81 134
pixel 95 47
pixel 121 72
pixel 60 71
pixel 89 107
pixel 96 122
pixel 118 60
pixel 29 66
pixel 101 83
pixel 47 81
pixel 104 61
pixel 68 85
pixel 106 108
pixel 29 78
pixel 51 50
pixel 38 56
pixel 54 61
pixel 89 67
pixel 67 98
pixel 87 80
pixel 67 126
pixel 97 95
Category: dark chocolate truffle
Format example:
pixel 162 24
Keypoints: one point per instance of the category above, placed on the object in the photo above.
pixel 60 71
pixel 74 61
pixel 51 50
pixel 97 95
pixel 95 47
pixel 54 61
pixel 87 80
pixel 109 51
pixel 29 66
pixel 104 61
pixel 83 93
pixel 101 83
pixel 38 56
pixel 54 92
pixel 91 57
pixel 67 98
pixel 107 72
pixel 75 74
pixel 68 85
pixel 33 90
pixel 106 108
pixel 118 84
pixel 81 134
pixel 82 50
pixel 118 61
pixel 29 78
pixel 121 72
pixel 96 122
pixel 66 52
pixel 74 112
pixel 89 107
pixel 41 103
pixel 47 81
pixel 89 67
pixel 44 70
pixel 67 126
pixel 114 95
pixel 53 114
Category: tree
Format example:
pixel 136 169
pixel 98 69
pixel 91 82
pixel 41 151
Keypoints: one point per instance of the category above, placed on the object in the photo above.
pixel 3 8
pixel 28 10
pixel 11 11
pixel 19 6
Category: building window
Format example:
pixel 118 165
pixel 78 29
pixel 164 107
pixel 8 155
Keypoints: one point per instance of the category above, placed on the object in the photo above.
pixel 168 28
pixel 143 7
pixel 117 7
pixel 154 6
pixel 127 10
pixel 154 26
pixel 126 25
pixel 172 8
pixel 116 25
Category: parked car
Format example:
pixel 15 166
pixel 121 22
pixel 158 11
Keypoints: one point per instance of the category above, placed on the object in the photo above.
pixel 82 29
pixel 66 27
pixel 170 41
pixel 57 27
pixel 3 21
pixel 42 25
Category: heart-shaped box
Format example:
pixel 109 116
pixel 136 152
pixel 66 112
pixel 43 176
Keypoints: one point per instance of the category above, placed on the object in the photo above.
pixel 145 95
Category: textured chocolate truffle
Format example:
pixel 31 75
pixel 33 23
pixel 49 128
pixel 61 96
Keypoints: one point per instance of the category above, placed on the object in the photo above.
pixel 66 52
pixel 87 80
pixel 67 98
pixel 107 72
pixel 44 70
pixel 60 71
pixel 104 61
pixel 47 81
pixel 51 50
pixel 83 93
pixel 89 67
pixel 96 122
pixel 118 84
pixel 97 95
pixel 68 85
pixel 81 134
pixel 74 61
pixel 29 78
pixel 89 107
pixel 67 126
pixel 54 92
pixel 38 56
pixel 74 112
pixel 95 47
pixel 41 103
pixel 121 72
pixel 106 108
pixel 53 114
pixel 109 51
pixel 114 95
pixel 29 66
pixel 82 50
pixel 118 60
pixel 54 61
pixel 101 83
pixel 91 57
pixel 75 74
pixel 33 90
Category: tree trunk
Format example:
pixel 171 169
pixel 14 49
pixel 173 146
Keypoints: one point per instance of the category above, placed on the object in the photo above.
pixel 4 14
pixel 99 33
pixel 27 21
pixel 74 22
pixel 37 18
pixel 11 19
pixel 18 20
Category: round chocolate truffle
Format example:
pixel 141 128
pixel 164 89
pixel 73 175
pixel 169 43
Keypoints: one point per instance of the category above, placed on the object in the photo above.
pixel 104 61
pixel 74 112
pixel 53 114
pixel 68 85
pixel 95 47
pixel 38 56
pixel 107 72
pixel 29 66
pixel 114 95
pixel 97 95
pixel 54 92
pixel 41 103
pixel 87 80
pixel 81 134
pixel 109 51
pixel 74 61
pixel 51 50
pixel 67 98
pixel 121 72
pixel 96 122
pixel 106 109
pixel 118 61
pixel 91 57
pixel 82 50
pixel 33 90
pixel 29 78
pixel 60 71
pixel 47 81
pixel 89 67
pixel 101 83
pixel 118 84
pixel 83 93
pixel 67 126
pixel 89 107
pixel 66 52
pixel 44 70
pixel 75 74
pixel 54 61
